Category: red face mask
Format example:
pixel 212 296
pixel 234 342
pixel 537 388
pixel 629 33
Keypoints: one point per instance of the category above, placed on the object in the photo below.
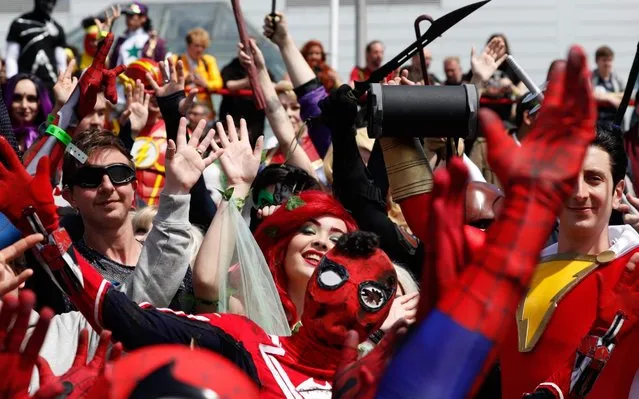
pixel 351 289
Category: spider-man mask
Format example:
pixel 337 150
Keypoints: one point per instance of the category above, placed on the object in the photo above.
pixel 351 289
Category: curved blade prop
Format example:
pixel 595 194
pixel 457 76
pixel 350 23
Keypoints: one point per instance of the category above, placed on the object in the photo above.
pixel 437 28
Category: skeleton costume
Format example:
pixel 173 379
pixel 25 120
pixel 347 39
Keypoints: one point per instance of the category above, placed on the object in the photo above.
pixel 35 44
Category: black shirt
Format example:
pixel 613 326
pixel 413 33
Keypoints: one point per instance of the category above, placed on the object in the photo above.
pixel 38 36
pixel 238 106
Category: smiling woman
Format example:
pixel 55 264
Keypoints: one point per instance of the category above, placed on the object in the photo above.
pixel 295 238
pixel 29 104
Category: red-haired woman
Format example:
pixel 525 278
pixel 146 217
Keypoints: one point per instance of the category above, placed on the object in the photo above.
pixel 314 54
pixel 294 239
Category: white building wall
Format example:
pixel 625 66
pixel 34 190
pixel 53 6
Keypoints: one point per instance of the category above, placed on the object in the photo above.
pixel 538 30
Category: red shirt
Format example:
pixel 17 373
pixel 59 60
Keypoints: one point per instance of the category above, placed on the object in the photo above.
pixel 361 74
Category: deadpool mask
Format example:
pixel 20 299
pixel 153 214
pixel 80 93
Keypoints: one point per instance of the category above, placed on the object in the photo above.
pixel 351 289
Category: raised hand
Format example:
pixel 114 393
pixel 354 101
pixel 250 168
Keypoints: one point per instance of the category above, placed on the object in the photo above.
pixel 65 85
pixel 276 28
pixel 251 56
pixel 404 307
pixel 98 78
pixel 137 106
pixel 185 162
pixel 172 83
pixel 16 365
pixel 106 26
pixel 551 155
pixel 81 376
pixel 239 161
pixel 628 217
pixel 357 378
pixel 8 280
pixel 19 190
pixel 485 64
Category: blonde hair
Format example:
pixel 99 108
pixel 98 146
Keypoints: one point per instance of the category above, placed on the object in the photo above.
pixel 405 280
pixel 285 87
pixel 197 35
pixel 143 219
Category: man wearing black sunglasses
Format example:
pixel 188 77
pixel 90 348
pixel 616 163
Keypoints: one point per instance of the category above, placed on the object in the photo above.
pixel 103 192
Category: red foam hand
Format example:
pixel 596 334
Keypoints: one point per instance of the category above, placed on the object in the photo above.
pixel 358 378
pixel 81 376
pixel 98 79
pixel 447 250
pixel 538 177
pixel 16 366
pixel 19 190
pixel 623 298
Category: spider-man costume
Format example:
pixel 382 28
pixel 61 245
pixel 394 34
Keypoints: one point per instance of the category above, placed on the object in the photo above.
pixel 351 289
pixel 473 300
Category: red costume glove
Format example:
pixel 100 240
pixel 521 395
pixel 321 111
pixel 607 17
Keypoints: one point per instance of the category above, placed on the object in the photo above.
pixel 16 366
pixel 98 79
pixel 81 376
pixel 19 190
pixel 357 378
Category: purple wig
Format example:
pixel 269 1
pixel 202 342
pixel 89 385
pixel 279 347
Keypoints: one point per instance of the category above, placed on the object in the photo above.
pixel 28 133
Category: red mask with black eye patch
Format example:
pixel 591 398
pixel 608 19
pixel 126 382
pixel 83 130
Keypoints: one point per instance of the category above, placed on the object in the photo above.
pixel 351 289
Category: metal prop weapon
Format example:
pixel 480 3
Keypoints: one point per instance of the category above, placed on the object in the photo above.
pixel 528 82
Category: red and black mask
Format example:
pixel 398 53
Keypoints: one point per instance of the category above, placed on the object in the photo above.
pixel 351 289
pixel 173 371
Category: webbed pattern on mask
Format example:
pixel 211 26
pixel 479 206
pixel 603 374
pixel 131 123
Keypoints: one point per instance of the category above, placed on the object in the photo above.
pixel 351 289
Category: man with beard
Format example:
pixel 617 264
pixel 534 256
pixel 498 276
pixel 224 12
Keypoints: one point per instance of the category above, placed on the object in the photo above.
pixel 35 44
pixel 374 59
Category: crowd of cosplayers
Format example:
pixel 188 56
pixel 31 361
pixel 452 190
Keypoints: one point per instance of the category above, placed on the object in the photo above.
pixel 400 237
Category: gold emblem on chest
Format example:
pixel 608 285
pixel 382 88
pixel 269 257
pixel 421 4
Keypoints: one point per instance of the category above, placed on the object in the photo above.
pixel 555 277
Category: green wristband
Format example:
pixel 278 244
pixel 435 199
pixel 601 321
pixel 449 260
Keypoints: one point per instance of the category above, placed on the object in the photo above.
pixel 59 134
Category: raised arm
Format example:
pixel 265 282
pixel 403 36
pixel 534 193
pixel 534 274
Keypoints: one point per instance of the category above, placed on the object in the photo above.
pixel 276 28
pixel 167 250
pixel 282 127
pixel 308 88
pixel 240 164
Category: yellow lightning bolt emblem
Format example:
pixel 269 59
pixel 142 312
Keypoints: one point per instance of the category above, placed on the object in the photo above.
pixel 554 277
pixel 143 152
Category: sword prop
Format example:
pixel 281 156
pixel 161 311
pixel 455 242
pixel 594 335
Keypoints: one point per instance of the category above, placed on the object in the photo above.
pixel 258 95
pixel 437 28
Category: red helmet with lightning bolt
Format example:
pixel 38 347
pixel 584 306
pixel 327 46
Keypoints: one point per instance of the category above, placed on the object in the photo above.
pixel 138 69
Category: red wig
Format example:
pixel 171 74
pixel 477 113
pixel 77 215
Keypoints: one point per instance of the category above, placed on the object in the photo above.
pixel 322 70
pixel 277 231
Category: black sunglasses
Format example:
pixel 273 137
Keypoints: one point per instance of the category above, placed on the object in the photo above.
pixel 91 176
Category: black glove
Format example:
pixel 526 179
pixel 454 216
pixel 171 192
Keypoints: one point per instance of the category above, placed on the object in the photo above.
pixel 339 109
